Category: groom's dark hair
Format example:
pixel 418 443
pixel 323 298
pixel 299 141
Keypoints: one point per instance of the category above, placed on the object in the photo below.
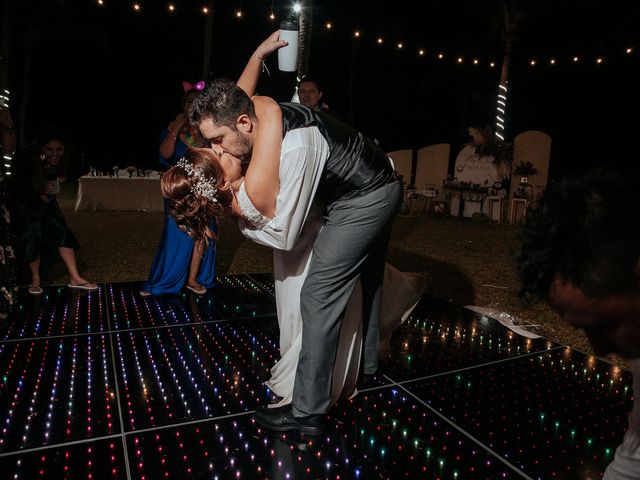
pixel 223 102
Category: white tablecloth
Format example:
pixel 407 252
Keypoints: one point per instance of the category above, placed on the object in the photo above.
pixel 117 193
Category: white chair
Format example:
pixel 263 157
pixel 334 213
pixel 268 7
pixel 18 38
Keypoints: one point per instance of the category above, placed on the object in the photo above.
pixel 432 167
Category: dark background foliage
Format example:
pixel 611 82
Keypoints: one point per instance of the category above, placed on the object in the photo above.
pixel 112 77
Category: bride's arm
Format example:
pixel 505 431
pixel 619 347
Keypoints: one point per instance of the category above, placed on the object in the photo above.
pixel 249 78
pixel 262 180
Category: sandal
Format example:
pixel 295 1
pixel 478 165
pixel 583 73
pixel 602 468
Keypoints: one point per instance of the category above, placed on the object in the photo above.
pixel 35 290
pixel 197 289
pixel 84 286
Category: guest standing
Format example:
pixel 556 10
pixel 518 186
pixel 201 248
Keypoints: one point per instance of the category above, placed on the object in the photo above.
pixel 8 287
pixel 179 259
pixel 43 234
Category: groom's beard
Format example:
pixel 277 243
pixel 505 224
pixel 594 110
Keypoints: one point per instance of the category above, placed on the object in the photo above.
pixel 245 148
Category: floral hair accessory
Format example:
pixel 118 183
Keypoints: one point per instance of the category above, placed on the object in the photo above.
pixel 187 87
pixel 202 186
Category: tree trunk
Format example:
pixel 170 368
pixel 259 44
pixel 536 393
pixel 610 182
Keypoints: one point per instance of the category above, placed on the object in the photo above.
pixel 6 37
pixel 304 38
pixel 208 39
pixel 512 18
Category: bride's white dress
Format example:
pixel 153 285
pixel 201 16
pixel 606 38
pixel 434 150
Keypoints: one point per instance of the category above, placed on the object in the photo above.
pixel 401 292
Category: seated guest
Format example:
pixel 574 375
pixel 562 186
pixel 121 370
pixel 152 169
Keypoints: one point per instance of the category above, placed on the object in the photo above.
pixel 42 232
pixel 310 95
pixel 581 253
pixel 180 261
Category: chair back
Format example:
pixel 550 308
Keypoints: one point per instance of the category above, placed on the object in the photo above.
pixel 432 165
pixel 403 162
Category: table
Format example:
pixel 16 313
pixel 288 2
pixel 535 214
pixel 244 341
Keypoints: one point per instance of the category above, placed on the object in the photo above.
pixel 118 193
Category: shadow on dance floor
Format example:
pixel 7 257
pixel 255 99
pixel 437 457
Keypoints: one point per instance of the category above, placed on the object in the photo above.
pixel 110 385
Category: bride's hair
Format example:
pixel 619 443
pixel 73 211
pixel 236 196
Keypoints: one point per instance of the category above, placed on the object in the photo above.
pixel 194 188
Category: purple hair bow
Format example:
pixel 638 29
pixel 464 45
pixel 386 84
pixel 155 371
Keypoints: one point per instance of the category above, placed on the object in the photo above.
pixel 187 87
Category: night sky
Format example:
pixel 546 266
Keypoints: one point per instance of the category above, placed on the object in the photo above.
pixel 111 78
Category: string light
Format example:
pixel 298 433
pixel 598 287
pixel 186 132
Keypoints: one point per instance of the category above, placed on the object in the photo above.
pixel 239 14
pixel 501 108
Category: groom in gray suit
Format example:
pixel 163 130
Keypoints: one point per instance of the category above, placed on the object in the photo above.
pixel 362 195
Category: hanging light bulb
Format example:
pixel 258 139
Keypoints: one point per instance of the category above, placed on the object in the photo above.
pixel 599 60
pixel 297 7
pixel 205 10
pixel 440 56
pixel 421 52
pixel 492 64
pixel 379 40
pixel 171 7
pixel 552 61
pixel 329 26
pixel 272 16
pixel 100 2
pixel 576 59
pixel 136 7
pixel 400 46
pixel 356 34
pixel 239 13
pixel 629 50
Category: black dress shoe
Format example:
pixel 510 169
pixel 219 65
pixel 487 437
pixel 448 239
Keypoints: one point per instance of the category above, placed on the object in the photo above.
pixel 367 380
pixel 281 419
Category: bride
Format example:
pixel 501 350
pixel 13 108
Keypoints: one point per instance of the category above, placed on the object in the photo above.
pixel 208 183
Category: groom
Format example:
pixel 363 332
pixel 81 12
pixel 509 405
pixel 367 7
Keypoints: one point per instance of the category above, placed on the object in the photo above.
pixel 361 193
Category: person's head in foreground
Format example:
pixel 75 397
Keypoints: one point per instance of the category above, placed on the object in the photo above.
pixel 226 118
pixel 198 188
pixel 310 93
pixel 581 250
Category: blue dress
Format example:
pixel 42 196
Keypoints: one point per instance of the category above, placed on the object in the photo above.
pixel 170 267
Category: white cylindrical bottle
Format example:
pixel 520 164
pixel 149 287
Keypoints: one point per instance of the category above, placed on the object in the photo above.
pixel 288 56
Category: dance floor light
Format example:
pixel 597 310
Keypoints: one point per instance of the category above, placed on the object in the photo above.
pixel 90 379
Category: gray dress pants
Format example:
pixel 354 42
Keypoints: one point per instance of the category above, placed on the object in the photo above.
pixel 352 244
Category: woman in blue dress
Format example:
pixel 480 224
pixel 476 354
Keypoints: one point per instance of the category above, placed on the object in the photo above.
pixel 180 261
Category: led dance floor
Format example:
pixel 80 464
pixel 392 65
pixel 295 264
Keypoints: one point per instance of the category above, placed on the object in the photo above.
pixel 111 385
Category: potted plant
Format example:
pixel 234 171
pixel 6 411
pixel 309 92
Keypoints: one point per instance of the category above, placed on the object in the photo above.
pixel 524 170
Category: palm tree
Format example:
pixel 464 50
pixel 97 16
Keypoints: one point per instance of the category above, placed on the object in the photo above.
pixel 512 18
pixel 304 37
